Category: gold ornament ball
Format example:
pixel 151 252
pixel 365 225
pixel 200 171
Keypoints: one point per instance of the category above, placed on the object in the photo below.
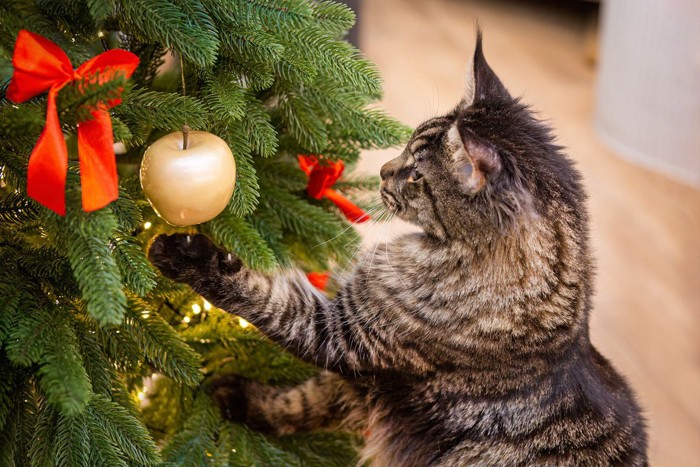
pixel 188 176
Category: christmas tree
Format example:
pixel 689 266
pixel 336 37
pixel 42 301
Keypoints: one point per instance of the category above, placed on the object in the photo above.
pixel 103 361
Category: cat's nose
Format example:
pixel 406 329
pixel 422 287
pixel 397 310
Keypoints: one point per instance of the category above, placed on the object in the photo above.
pixel 387 170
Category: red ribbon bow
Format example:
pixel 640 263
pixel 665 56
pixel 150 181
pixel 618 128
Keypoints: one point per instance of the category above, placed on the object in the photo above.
pixel 322 176
pixel 318 279
pixel 40 65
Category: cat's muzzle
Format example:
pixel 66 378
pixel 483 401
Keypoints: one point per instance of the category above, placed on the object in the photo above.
pixel 389 199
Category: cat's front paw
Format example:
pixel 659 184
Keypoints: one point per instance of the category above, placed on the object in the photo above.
pixel 229 393
pixel 182 257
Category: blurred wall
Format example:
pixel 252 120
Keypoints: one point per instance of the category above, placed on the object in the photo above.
pixel 649 84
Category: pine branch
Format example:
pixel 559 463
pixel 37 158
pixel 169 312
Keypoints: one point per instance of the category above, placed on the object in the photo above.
pixel 15 436
pixel 7 388
pixel 224 98
pixel 270 228
pixel 251 448
pixel 122 133
pixel 160 343
pixel 45 336
pixel 100 10
pixel 122 429
pixel 256 125
pixel 196 439
pixel 254 74
pixel 168 405
pixel 304 123
pixel 247 191
pixel 301 217
pixel 164 22
pixel 71 443
pixel 14 169
pixel 236 235
pixel 128 214
pixel 13 296
pixel 41 446
pixel 334 18
pixel 139 275
pixel 103 451
pixel 84 238
pixel 323 449
pixel 96 363
pixel 79 99
pixel 166 111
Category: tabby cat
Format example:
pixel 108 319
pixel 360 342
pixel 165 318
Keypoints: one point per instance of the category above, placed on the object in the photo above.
pixel 464 345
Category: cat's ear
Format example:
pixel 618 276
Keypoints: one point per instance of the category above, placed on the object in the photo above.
pixel 473 159
pixel 482 83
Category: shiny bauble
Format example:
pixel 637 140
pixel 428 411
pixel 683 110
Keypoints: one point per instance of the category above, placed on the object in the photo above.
pixel 188 177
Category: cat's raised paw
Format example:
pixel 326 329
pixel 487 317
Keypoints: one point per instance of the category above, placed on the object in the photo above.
pixel 180 256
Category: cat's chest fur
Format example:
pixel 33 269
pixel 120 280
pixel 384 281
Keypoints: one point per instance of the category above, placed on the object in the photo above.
pixel 418 421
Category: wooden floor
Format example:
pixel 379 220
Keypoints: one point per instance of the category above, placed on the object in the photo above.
pixel 646 227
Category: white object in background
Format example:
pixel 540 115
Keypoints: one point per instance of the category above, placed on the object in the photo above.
pixel 649 84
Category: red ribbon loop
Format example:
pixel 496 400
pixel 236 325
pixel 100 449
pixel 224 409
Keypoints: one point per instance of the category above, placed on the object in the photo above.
pixel 318 279
pixel 40 65
pixel 322 176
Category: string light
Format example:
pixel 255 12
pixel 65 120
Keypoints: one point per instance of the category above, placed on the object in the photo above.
pixel 146 315
pixel 243 323
pixel 147 225
pixel 207 305
pixel 186 319
pixel 196 309
pixel 141 395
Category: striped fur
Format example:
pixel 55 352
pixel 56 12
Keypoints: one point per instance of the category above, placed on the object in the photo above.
pixel 464 345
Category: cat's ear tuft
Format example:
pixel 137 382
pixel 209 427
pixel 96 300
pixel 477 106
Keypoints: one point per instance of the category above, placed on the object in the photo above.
pixel 482 83
pixel 473 160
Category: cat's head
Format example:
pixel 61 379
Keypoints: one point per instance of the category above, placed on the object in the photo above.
pixel 484 167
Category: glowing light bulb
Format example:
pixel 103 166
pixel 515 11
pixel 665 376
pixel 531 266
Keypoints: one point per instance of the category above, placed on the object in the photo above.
pixel 196 309
pixel 147 225
pixel 186 319
pixel 146 315
pixel 141 395
pixel 243 323
pixel 100 34
pixel 207 305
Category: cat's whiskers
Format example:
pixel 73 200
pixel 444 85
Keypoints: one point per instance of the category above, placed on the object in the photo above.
pixel 370 212
pixel 386 229
pixel 377 241
pixel 375 225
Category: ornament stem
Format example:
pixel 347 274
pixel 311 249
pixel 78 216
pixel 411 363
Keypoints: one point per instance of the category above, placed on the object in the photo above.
pixel 185 128
pixel 185 133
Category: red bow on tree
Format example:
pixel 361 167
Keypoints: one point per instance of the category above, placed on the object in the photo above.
pixel 40 65
pixel 318 279
pixel 322 176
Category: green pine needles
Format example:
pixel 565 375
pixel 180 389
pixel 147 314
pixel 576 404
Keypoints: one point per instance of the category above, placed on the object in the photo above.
pixel 102 360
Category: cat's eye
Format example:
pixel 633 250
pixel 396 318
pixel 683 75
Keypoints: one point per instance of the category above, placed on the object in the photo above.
pixel 420 155
pixel 415 175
